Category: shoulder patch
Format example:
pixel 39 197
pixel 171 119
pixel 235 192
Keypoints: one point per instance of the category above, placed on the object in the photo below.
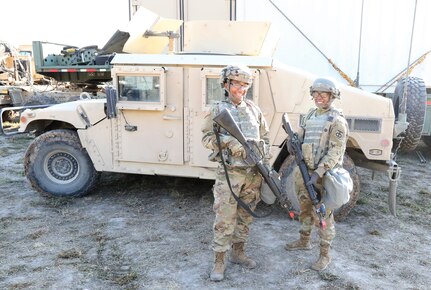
pixel 339 134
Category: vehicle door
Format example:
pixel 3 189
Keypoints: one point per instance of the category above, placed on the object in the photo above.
pixel 150 115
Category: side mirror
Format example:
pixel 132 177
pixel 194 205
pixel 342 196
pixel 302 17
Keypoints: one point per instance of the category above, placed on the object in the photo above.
pixel 111 102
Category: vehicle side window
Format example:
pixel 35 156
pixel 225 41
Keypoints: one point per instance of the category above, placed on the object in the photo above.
pixel 138 88
pixel 213 91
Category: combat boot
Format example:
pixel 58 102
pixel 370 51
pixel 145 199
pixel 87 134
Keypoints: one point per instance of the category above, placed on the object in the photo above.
pixel 302 244
pixel 238 256
pixel 217 274
pixel 324 258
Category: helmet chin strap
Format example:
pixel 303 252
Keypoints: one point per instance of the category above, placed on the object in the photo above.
pixel 226 92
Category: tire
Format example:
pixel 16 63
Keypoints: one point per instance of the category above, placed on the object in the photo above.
pixel 287 178
pixel 342 212
pixel 415 110
pixel 56 165
pixel 288 185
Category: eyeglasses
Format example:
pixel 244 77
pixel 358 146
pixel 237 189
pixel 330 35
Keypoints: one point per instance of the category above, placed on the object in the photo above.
pixel 316 94
pixel 240 86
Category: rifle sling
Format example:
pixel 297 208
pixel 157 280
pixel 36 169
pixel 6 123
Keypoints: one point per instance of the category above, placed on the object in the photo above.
pixel 245 206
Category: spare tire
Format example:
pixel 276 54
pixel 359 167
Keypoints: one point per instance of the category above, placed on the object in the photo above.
pixel 415 110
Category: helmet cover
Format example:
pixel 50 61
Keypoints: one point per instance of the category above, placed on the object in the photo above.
pixel 237 73
pixel 325 85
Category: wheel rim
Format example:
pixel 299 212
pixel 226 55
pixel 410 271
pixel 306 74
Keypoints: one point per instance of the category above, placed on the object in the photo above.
pixel 61 167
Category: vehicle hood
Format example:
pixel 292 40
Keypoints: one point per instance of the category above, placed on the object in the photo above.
pixel 81 114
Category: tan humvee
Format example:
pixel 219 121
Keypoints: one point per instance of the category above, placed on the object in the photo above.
pixel 151 124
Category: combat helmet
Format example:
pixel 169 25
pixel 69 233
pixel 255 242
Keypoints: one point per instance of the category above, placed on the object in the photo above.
pixel 325 85
pixel 237 73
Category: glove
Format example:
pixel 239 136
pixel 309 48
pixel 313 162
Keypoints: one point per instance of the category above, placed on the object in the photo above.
pixel 255 141
pixel 237 149
pixel 313 179
pixel 226 140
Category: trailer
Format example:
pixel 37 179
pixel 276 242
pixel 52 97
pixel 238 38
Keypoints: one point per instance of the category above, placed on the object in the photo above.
pixel 85 66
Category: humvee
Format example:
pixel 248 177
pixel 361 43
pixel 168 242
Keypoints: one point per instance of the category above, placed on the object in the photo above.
pixel 150 121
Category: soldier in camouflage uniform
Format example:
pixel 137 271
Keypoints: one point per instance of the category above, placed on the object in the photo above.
pixel 231 225
pixel 324 133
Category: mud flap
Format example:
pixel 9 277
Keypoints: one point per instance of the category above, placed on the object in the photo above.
pixel 394 172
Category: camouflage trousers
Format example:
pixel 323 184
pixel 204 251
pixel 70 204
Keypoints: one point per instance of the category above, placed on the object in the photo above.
pixel 308 216
pixel 231 224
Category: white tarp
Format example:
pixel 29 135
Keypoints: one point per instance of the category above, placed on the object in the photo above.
pixel 334 27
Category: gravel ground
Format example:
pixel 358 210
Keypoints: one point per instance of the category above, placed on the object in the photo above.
pixel 148 232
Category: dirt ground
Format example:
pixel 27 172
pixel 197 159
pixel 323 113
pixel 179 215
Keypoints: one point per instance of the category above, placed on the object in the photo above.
pixel 146 232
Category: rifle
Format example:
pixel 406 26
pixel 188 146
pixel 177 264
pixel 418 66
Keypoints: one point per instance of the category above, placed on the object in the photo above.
pixel 271 177
pixel 299 158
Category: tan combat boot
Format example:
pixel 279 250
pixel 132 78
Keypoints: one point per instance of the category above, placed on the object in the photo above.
pixel 238 256
pixel 217 274
pixel 324 258
pixel 302 244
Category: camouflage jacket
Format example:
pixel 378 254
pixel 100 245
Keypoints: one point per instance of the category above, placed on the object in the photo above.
pixel 250 120
pixel 324 134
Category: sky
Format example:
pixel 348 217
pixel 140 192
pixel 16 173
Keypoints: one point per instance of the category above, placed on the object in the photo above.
pixel 76 22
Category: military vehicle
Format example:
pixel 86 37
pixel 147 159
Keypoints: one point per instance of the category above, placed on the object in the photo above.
pixel 383 53
pixel 372 56
pixel 150 122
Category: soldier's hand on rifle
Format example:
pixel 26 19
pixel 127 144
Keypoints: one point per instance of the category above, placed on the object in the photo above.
pixel 313 179
pixel 290 147
pixel 254 141
pixel 237 149
pixel 226 140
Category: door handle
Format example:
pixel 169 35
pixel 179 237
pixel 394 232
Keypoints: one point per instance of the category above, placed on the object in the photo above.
pixel 171 117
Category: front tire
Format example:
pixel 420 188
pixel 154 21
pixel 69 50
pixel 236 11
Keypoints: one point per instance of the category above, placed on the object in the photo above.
pixel 288 185
pixel 56 165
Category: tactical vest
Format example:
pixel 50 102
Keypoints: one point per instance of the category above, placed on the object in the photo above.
pixel 247 119
pixel 316 138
